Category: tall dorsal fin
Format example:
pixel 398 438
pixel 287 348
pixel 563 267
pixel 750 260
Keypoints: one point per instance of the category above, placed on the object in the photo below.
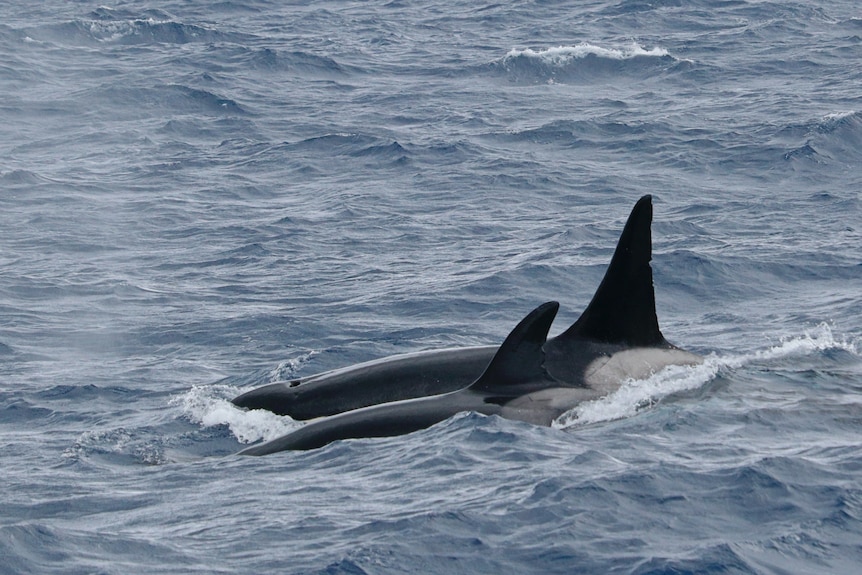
pixel 520 359
pixel 623 308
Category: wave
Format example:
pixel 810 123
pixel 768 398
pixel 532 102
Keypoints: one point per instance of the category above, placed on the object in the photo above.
pixel 583 61
pixel 167 98
pixel 295 61
pixel 311 155
pixel 562 55
pixel 591 133
pixel 636 395
pixel 22 178
pixel 350 144
pixel 44 547
pixel 107 26
pixel 834 137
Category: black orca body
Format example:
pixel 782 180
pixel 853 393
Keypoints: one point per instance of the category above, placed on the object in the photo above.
pixel 516 371
pixel 616 338
pixel 380 381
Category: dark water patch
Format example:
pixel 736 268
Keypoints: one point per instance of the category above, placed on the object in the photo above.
pixel 393 151
pixel 22 178
pixel 605 133
pixel 83 392
pixel 312 155
pixel 237 333
pixel 21 412
pixel 48 505
pixel 335 144
pixel 343 567
pixel 743 275
pixel 243 257
pixel 301 63
pixel 111 29
pixel 36 546
pixel 193 99
pixel 708 559
pixel 212 128
pixel 163 100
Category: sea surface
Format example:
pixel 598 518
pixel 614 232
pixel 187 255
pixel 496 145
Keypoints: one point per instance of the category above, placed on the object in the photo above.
pixel 198 198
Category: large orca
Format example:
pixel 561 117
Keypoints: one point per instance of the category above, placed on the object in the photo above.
pixel 617 337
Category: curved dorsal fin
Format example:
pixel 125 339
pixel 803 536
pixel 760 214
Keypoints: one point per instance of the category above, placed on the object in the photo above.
pixel 520 359
pixel 623 308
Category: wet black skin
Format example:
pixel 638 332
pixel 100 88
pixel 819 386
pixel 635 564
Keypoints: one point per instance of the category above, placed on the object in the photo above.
pixel 516 370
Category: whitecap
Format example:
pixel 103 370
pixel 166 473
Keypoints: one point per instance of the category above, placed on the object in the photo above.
pixel 563 54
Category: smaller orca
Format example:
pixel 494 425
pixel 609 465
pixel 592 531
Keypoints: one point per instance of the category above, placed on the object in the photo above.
pixel 515 385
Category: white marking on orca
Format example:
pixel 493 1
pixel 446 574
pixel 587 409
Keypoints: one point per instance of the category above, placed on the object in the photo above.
pixel 607 373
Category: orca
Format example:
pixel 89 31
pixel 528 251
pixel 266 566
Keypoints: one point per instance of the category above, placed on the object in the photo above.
pixel 505 388
pixel 617 337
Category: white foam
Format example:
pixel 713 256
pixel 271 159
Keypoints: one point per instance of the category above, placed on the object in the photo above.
pixel 840 115
pixel 563 54
pixel 287 369
pixel 208 405
pixel 634 395
pixel 112 31
pixel 820 338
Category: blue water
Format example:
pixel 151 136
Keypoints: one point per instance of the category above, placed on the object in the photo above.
pixel 198 198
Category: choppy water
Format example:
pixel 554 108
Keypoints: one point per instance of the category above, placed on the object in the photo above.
pixel 198 198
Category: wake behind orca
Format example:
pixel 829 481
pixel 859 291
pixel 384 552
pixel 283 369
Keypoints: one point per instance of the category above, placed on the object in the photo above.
pixel 616 338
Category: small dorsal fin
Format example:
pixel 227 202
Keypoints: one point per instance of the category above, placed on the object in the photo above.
pixel 520 359
pixel 623 308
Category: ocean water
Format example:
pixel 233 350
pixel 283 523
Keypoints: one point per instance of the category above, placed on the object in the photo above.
pixel 198 198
